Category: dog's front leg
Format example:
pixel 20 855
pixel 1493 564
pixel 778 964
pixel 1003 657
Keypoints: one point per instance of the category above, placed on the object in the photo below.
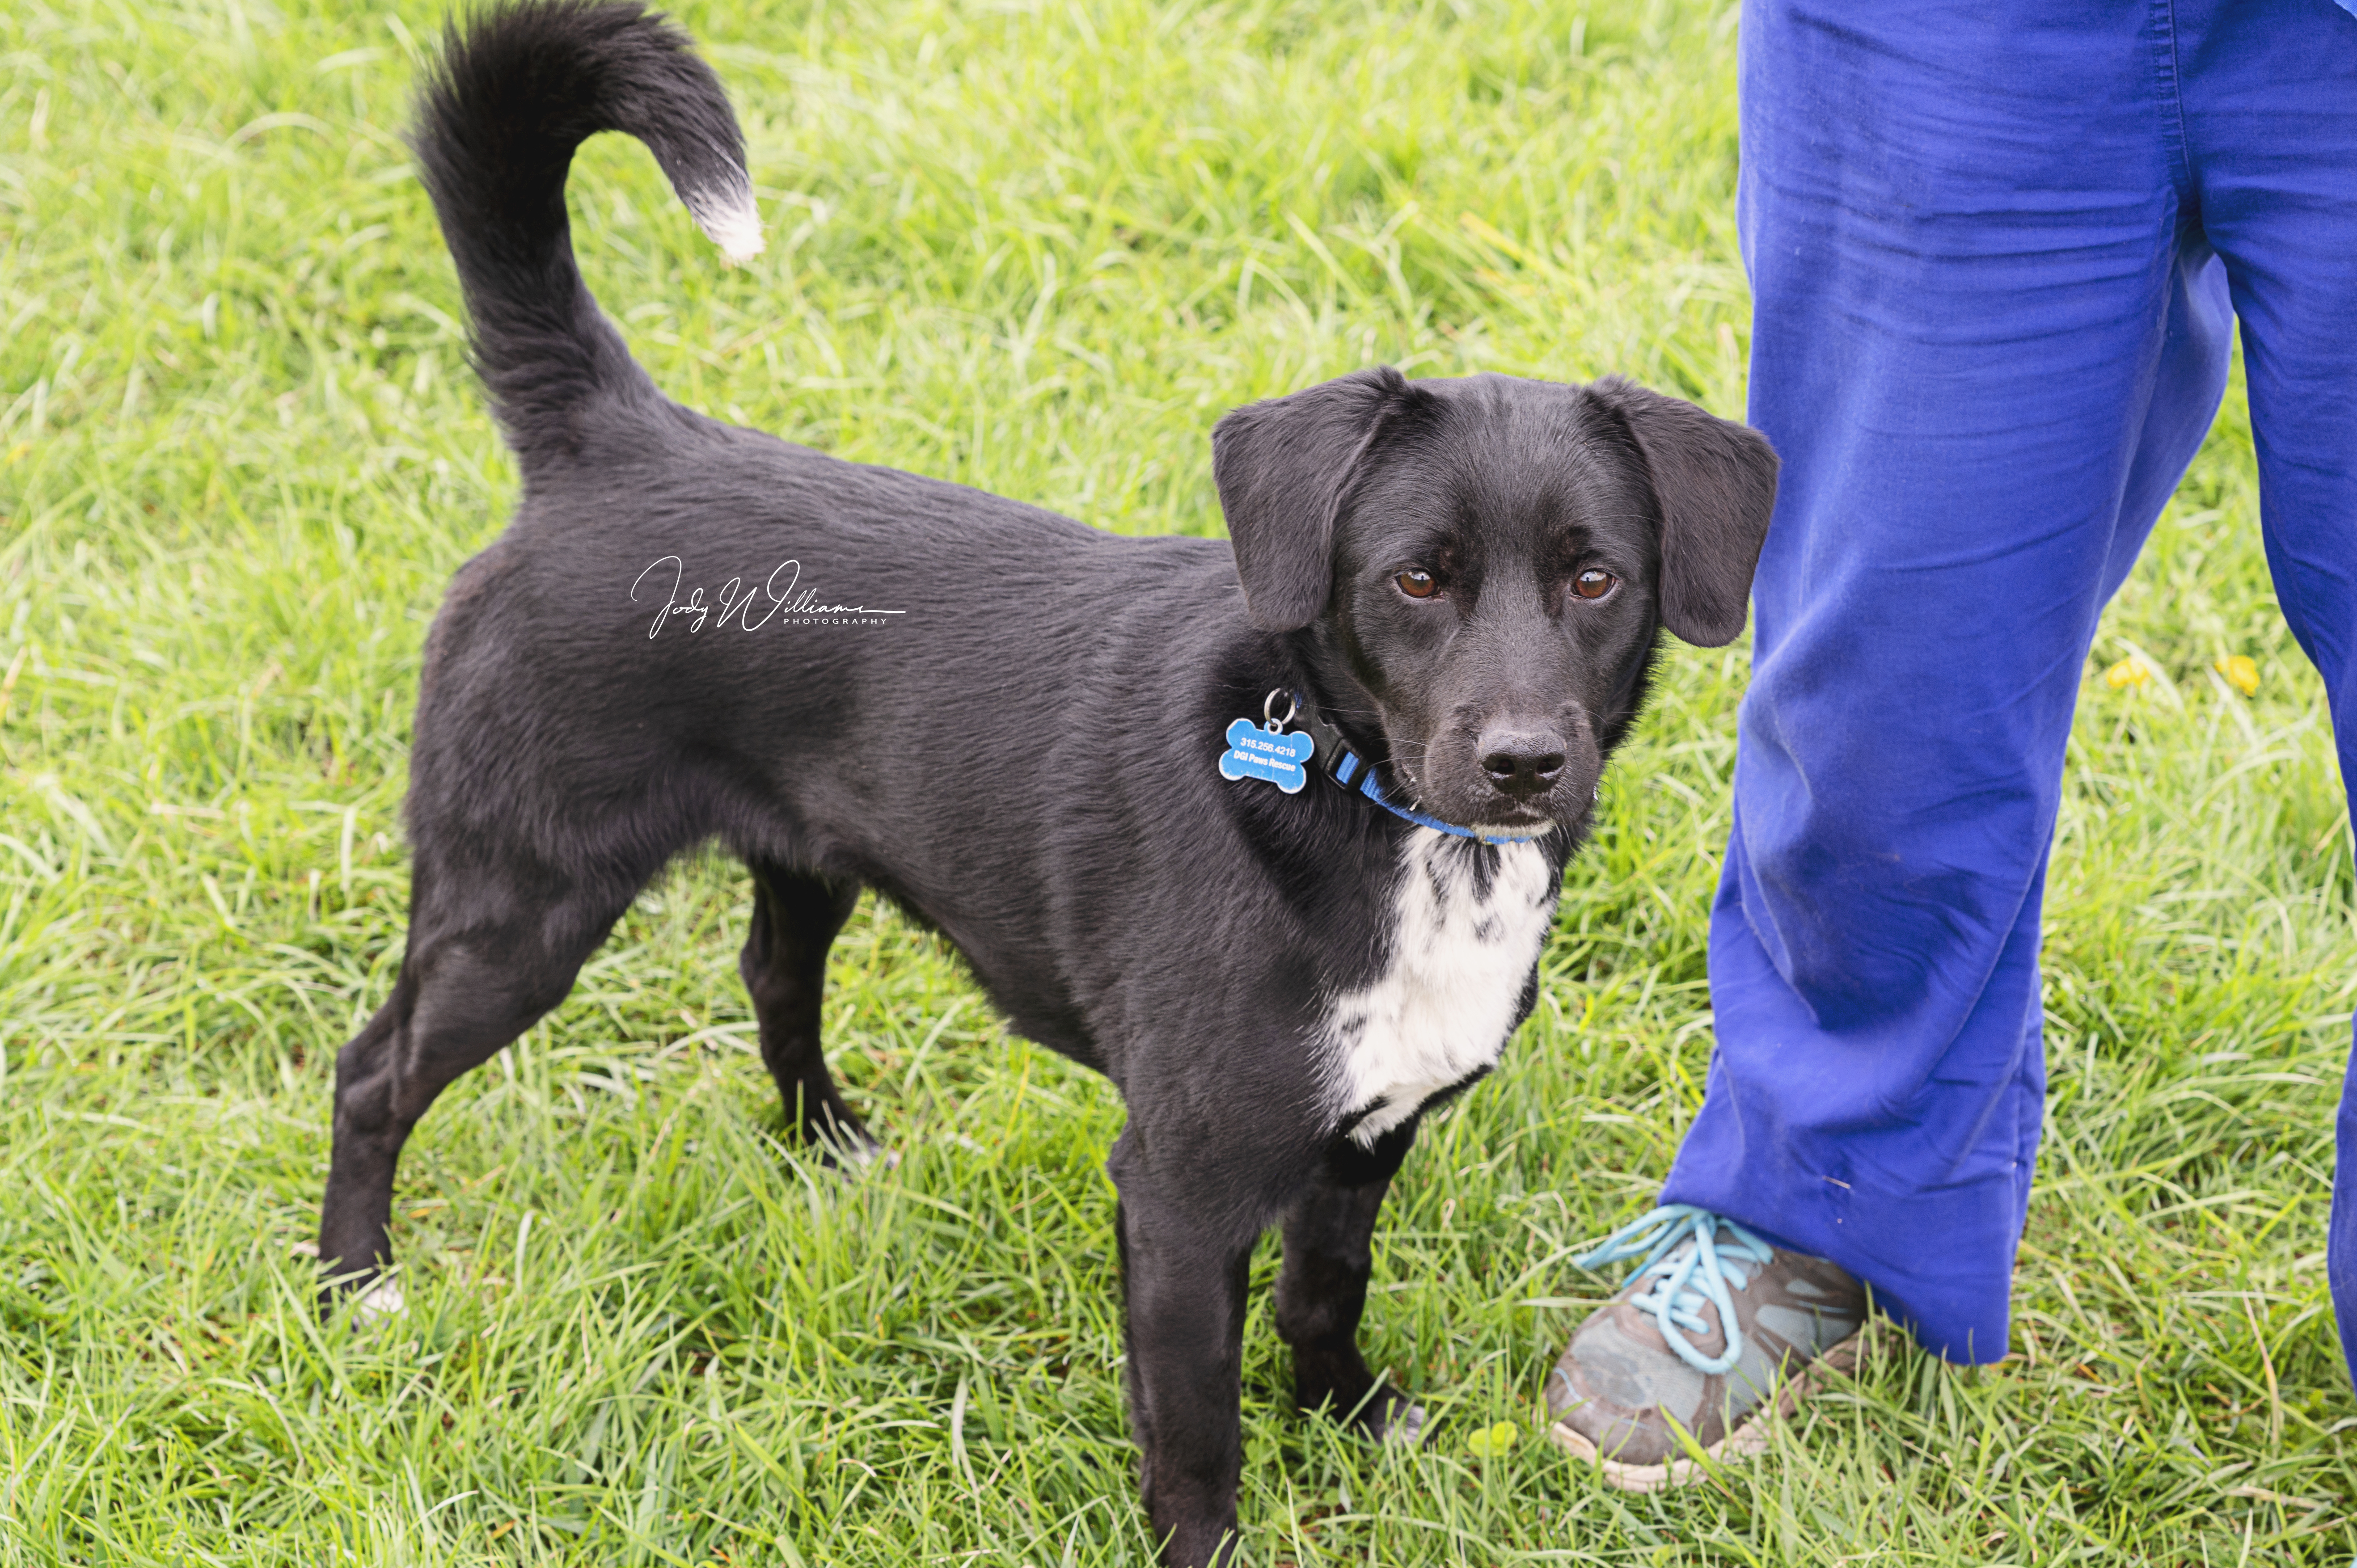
pixel 1322 1290
pixel 1183 1273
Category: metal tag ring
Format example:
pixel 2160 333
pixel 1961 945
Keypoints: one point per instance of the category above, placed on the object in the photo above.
pixel 1268 709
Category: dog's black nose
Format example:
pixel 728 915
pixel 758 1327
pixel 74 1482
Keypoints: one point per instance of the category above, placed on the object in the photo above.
pixel 1521 763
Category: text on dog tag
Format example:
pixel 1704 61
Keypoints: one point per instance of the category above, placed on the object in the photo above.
pixel 1257 753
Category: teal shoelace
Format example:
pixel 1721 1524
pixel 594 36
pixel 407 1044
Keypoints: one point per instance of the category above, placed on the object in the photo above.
pixel 1690 1267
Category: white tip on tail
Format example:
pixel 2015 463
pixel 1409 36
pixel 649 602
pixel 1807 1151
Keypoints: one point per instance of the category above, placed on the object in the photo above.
pixel 730 218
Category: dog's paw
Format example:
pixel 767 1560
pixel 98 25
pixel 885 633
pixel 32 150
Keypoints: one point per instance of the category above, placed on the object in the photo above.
pixel 1389 1417
pixel 1404 1427
pixel 855 1158
pixel 379 1301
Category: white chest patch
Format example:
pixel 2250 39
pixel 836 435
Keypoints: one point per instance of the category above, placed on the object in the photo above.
pixel 1462 946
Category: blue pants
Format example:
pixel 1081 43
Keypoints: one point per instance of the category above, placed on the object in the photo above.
pixel 1997 248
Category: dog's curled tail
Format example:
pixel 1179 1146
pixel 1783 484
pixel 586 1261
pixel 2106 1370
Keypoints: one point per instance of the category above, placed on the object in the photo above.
pixel 517 91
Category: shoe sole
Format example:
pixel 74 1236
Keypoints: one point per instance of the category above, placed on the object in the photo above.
pixel 1750 1438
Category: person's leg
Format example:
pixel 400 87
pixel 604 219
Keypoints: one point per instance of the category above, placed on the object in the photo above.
pixel 2271 129
pixel 1988 340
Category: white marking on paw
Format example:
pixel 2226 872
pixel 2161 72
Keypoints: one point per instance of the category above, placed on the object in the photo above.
pixel 1459 957
pixel 382 1300
pixel 1405 1427
pixel 861 1158
pixel 730 218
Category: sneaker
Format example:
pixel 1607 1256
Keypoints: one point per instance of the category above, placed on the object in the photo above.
pixel 1662 1356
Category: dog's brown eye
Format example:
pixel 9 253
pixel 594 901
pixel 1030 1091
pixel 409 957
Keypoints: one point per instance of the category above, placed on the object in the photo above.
pixel 1416 582
pixel 1593 583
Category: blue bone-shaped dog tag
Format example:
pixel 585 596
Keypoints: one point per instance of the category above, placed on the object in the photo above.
pixel 1271 753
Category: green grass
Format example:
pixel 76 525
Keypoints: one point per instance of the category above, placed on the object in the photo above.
pixel 1036 247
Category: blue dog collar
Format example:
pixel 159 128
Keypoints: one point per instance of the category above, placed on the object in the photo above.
pixel 1336 759
pixel 1351 761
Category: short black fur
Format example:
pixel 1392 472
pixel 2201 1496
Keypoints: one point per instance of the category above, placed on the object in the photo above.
pixel 1012 734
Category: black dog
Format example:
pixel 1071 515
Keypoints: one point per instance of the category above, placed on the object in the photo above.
pixel 1054 746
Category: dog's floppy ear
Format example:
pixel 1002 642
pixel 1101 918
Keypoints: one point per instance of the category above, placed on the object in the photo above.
pixel 1283 467
pixel 1715 481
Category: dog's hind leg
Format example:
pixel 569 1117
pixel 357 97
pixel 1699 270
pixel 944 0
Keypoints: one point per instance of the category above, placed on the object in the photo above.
pixel 491 949
pixel 795 919
pixel 1322 1289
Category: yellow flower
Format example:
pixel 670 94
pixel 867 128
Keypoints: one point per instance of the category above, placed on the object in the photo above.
pixel 1491 1441
pixel 2128 672
pixel 2242 672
